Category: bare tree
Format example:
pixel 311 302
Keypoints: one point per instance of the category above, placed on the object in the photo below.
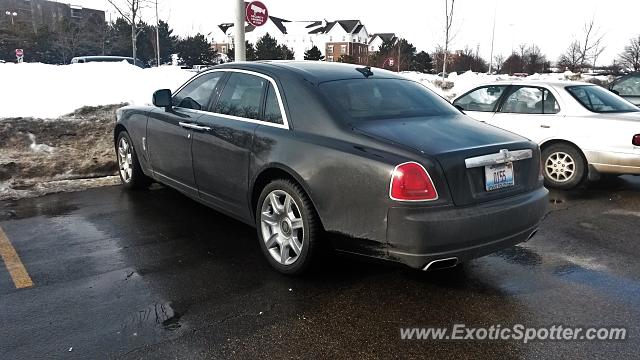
pixel 498 60
pixel 130 12
pixel 572 58
pixel 630 57
pixel 448 13
pixel 591 45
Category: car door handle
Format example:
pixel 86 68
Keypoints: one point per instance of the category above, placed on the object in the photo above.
pixel 545 126
pixel 193 126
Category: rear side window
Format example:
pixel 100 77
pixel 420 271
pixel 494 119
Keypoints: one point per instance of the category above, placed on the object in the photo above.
pixel 370 99
pixel 530 100
pixel 484 99
pixel 198 93
pixel 242 96
pixel 597 99
pixel 272 111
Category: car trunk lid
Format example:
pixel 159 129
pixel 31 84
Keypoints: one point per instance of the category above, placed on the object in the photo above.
pixel 453 139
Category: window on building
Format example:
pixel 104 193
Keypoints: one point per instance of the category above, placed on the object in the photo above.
pixel 330 58
pixel 76 12
pixel 330 49
pixel 343 49
pixel 344 38
pixel 330 38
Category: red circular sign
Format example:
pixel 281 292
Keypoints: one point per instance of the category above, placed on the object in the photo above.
pixel 19 52
pixel 257 13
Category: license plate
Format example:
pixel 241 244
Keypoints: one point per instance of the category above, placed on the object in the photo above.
pixel 499 176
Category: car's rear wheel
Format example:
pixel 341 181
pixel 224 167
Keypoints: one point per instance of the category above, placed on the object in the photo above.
pixel 131 174
pixel 288 227
pixel 564 166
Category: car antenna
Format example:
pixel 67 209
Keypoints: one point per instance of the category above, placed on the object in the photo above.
pixel 366 71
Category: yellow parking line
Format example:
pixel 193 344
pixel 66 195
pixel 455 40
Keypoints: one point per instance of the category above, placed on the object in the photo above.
pixel 12 261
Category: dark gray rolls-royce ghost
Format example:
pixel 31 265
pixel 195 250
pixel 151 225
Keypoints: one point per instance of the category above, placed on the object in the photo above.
pixel 358 158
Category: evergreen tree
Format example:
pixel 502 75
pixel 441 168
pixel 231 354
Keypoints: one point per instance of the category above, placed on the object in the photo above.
pixel 195 50
pixel 313 54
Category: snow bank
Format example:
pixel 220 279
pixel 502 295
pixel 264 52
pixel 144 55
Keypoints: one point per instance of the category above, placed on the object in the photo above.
pixel 49 91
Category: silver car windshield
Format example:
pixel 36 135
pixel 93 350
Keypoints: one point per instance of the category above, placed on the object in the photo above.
pixel 597 99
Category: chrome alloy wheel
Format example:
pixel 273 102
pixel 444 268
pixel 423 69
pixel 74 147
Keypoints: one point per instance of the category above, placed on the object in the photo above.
pixel 124 159
pixel 560 167
pixel 282 227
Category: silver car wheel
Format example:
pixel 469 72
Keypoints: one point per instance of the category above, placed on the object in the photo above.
pixel 282 227
pixel 560 167
pixel 124 159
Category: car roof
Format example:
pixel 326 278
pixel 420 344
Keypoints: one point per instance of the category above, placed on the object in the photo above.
pixel 313 71
pixel 551 83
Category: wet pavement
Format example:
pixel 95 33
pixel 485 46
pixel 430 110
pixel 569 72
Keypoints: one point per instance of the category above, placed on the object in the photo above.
pixel 155 275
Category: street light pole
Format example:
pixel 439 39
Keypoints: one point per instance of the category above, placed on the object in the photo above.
pixel 239 46
pixel 493 36
pixel 157 34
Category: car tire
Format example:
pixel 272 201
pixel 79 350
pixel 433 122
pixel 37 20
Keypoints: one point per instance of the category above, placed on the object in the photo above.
pixel 564 166
pixel 129 169
pixel 289 232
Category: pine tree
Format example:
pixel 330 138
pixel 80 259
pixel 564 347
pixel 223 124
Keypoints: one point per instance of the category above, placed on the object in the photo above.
pixel 313 54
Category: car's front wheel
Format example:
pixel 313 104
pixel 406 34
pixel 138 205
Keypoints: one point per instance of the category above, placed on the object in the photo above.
pixel 129 169
pixel 564 166
pixel 288 227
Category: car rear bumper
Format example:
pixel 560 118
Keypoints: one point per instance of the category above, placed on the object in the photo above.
pixel 419 235
pixel 614 162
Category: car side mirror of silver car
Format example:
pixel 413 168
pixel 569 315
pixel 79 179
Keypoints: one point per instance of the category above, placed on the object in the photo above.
pixel 162 98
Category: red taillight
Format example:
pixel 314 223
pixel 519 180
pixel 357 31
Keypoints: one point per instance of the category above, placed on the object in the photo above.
pixel 636 140
pixel 411 182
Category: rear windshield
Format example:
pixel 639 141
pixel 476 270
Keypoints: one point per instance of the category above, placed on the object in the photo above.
pixel 371 99
pixel 600 100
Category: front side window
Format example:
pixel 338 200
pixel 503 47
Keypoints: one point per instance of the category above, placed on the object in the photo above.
pixel 272 111
pixel 628 87
pixel 482 99
pixel 198 93
pixel 242 96
pixel 597 99
pixel 371 99
pixel 530 100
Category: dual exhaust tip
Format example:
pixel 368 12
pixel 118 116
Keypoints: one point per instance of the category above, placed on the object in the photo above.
pixel 450 262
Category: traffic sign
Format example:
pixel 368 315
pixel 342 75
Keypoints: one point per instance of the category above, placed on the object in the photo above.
pixel 19 52
pixel 257 13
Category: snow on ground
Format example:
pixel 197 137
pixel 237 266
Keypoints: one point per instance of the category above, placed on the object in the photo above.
pixel 50 91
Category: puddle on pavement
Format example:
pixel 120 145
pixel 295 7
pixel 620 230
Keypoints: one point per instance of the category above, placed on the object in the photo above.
pixel 155 315
pixel 27 208
pixel 521 256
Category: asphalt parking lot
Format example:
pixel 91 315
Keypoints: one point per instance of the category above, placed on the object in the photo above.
pixel 105 273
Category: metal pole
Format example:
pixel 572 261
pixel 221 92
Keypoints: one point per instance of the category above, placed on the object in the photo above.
pixel 239 46
pixel 157 34
pixel 493 36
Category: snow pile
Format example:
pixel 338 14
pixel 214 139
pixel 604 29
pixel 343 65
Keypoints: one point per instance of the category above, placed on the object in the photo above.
pixel 50 91
pixel 35 147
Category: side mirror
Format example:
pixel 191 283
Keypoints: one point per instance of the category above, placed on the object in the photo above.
pixel 162 98
pixel 459 108
pixel 615 92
